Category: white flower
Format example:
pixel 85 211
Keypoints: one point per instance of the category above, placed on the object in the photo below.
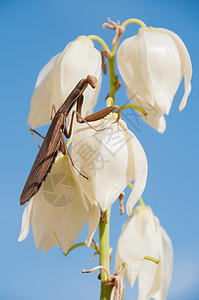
pixel 59 77
pixel 143 236
pixel 152 64
pixel 111 159
pixel 59 211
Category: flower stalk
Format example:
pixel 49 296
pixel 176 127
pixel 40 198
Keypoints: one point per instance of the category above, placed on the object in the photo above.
pixel 133 20
pixel 104 255
pixel 138 108
pixel 80 245
pixel 103 226
pixel 111 64
pixel 100 40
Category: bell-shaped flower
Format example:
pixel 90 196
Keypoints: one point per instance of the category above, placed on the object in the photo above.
pixel 59 211
pixel 143 236
pixel 152 64
pixel 111 159
pixel 59 77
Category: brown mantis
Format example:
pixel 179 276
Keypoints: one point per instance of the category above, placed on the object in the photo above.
pixel 54 139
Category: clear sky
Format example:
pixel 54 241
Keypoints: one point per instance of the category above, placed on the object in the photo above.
pixel 31 32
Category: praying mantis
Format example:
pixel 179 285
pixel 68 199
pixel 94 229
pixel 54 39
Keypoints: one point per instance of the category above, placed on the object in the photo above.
pixel 54 139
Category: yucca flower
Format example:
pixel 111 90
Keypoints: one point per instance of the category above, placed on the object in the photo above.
pixel 111 159
pixel 59 211
pixel 152 64
pixel 59 77
pixel 143 236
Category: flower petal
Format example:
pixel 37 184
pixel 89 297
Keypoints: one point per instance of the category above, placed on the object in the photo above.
pixel 165 67
pixel 166 265
pixel 81 59
pixel 154 115
pixel 93 221
pixel 26 221
pixel 118 265
pixel 146 279
pixel 42 97
pixel 148 283
pixel 48 244
pixel 186 65
pixel 138 239
pixel 140 172
pixel 71 223
pixel 44 218
pixel 134 49
pixel 51 242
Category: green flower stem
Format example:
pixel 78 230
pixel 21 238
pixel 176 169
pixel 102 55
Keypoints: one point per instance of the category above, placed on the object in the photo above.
pixel 141 202
pixel 135 107
pixel 120 269
pixel 111 63
pixel 103 226
pixel 133 20
pixel 101 41
pixel 114 49
pixel 104 255
pixel 80 245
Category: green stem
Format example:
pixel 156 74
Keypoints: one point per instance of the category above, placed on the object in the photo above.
pixel 103 226
pixel 80 245
pixel 141 202
pixel 100 40
pixel 134 107
pixel 133 20
pixel 104 255
pixel 111 63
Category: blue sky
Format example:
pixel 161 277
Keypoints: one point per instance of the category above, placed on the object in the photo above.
pixel 31 33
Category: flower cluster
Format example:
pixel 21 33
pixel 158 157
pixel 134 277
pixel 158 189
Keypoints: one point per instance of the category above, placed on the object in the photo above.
pixel 68 199
pixel 97 155
pixel 105 156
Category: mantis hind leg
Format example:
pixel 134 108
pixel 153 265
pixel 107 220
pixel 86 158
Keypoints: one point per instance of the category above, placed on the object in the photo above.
pixel 32 131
